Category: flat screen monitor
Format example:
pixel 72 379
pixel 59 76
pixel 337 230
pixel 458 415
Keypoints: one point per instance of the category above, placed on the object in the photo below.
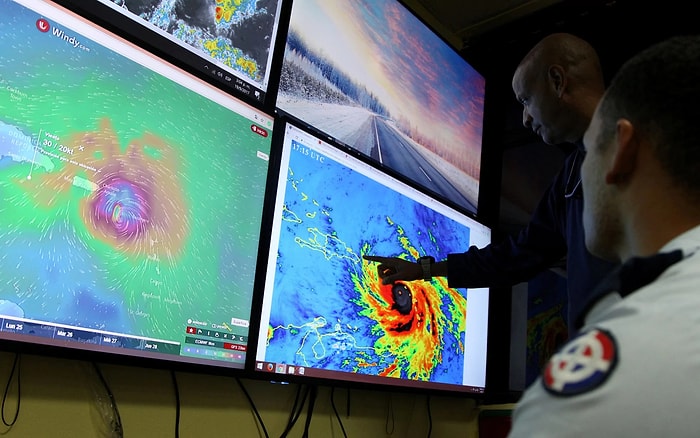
pixel 232 43
pixel 131 197
pixel 325 314
pixel 371 75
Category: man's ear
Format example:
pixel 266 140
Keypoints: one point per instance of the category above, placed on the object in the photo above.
pixel 626 149
pixel 557 78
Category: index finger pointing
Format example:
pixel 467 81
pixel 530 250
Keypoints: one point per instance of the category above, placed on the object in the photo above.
pixel 372 258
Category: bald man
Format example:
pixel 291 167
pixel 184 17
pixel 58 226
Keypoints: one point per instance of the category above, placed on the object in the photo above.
pixel 558 83
pixel 632 370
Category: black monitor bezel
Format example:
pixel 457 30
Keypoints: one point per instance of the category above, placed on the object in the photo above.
pixel 160 46
pixel 22 343
pixel 362 381
pixel 485 209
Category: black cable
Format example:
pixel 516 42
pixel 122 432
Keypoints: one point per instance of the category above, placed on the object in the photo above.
pixel 177 403
pixel 389 417
pixel 335 410
pixel 430 417
pixel 296 409
pixel 116 424
pixel 347 406
pixel 15 366
pixel 310 411
pixel 252 405
pixel 290 420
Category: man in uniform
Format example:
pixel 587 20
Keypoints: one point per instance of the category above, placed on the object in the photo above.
pixel 632 369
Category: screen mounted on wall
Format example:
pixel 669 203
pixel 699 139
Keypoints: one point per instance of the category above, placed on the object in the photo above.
pixel 325 313
pixel 131 196
pixel 231 42
pixel 371 75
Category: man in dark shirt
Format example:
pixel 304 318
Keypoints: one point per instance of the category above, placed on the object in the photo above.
pixel 638 347
pixel 559 83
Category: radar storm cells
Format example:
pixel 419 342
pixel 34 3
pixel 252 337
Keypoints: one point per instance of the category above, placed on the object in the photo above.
pixel 329 311
pixel 414 337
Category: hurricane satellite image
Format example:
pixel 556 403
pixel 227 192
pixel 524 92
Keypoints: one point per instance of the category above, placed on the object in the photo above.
pixel 330 311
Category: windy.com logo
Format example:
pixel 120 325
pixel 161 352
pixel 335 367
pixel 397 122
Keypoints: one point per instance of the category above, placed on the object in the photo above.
pixel 43 26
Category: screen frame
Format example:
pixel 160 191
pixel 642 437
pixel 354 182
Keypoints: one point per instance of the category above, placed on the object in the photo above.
pixel 484 209
pixel 342 379
pixel 67 349
pixel 184 58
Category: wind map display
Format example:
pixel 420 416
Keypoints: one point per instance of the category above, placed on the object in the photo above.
pixel 129 203
pixel 328 308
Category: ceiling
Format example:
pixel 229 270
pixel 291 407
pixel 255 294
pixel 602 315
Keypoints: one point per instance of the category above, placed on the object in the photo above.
pixel 458 21
pixel 495 34
pixel 486 31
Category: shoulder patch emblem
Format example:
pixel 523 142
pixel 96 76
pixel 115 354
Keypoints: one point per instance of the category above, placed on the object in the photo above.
pixel 582 364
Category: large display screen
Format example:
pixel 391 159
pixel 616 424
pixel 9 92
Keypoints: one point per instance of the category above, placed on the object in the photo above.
pixel 371 75
pixel 131 196
pixel 325 313
pixel 232 42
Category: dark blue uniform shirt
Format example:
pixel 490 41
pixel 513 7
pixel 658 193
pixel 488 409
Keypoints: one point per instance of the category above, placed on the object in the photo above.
pixel 555 232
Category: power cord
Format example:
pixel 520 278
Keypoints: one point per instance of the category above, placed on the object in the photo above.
pixel 430 417
pixel 116 428
pixel 299 401
pixel 177 403
pixel 335 410
pixel 252 405
pixel 389 425
pixel 15 366
pixel 310 410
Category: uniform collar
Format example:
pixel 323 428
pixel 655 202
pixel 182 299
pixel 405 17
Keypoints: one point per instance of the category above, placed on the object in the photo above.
pixel 634 274
pixel 637 272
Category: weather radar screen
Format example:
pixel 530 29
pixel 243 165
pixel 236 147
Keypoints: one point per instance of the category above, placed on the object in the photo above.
pixel 370 74
pixel 325 313
pixel 231 42
pixel 130 196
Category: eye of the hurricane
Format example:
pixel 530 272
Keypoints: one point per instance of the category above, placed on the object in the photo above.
pixel 116 215
pixel 122 206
